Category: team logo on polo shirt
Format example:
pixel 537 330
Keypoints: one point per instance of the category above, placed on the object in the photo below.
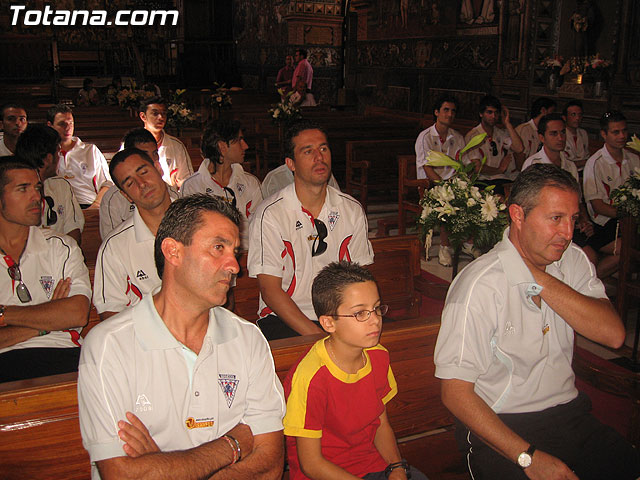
pixel 298 225
pixel 47 284
pixel 333 219
pixel 60 209
pixel 208 191
pixel 143 404
pixel 83 167
pixel 240 187
pixel 140 275
pixel 229 385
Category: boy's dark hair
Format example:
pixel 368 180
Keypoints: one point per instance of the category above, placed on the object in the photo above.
pixel 121 156
pixel 8 163
pixel 539 104
pixel 437 105
pixel 527 186
pixel 184 218
pixel 7 106
pixel 572 103
pixel 218 131
pixel 35 143
pixel 302 52
pixel 489 101
pixel 328 286
pixel 607 118
pixel 544 121
pixel 144 104
pixel 56 109
pixel 137 135
pixel 294 130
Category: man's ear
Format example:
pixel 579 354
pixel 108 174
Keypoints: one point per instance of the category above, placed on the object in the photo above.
pixel 603 134
pixel 223 147
pixel 49 124
pixel 172 251
pixel 143 117
pixel 328 323
pixel 517 215
pixel 290 163
pixel 541 138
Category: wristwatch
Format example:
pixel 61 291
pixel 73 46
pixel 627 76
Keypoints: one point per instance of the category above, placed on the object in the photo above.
pixel 526 457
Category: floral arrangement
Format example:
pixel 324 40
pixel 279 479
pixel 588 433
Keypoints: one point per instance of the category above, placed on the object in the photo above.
pixel 552 63
pixel 179 115
pixel 220 98
pixel 285 111
pixel 459 204
pixel 597 67
pixel 131 98
pixel 626 197
pixel 579 23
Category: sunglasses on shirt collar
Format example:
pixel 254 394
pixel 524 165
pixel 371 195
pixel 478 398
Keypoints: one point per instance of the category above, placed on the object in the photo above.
pixel 319 245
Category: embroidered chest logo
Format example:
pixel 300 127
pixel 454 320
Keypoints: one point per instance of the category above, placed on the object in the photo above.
pixel 333 219
pixel 240 188
pixel 208 191
pixel 229 384
pixel 47 284
pixel 132 207
pixel 509 329
pixel 192 423
pixel 140 275
pixel 298 225
pixel 60 209
pixel 143 404
pixel 83 167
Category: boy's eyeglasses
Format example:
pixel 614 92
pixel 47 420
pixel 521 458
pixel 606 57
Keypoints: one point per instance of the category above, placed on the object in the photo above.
pixel 21 289
pixel 364 315
pixel 319 245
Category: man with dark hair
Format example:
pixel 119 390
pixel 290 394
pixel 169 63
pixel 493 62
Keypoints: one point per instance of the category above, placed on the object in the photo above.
pixel 440 137
pixel 221 173
pixel 285 75
pixel 14 122
pixel 505 346
pixel 177 383
pixel 44 294
pixel 299 230
pixel 82 164
pixel 174 158
pixel 498 147
pixel 38 146
pixel 577 148
pixel 605 171
pixel 528 131
pixel 125 269
pixel 115 208
pixel 303 70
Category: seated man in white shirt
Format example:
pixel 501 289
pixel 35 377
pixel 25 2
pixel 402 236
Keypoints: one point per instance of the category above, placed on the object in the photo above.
pixel 14 122
pixel 299 230
pixel 82 164
pixel 221 173
pixel 177 386
pixel 577 148
pixel 39 146
pixel 174 158
pixel 528 131
pixel 115 208
pixel 125 268
pixel 44 286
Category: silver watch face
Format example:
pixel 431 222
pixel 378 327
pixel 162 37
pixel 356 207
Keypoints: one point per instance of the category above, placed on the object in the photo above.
pixel 524 460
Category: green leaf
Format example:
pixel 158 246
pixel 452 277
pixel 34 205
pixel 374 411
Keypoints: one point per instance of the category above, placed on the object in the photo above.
pixel 634 143
pixel 474 142
pixel 439 159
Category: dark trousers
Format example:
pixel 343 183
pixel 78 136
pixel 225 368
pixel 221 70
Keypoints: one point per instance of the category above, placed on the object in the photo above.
pixel 569 432
pixel 273 328
pixel 415 475
pixel 24 363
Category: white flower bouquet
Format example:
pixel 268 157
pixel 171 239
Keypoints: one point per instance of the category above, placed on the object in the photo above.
pixel 626 197
pixel 220 98
pixel 179 115
pixel 461 206
pixel 285 111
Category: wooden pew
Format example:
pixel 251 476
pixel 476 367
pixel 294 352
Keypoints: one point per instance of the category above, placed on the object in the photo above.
pixel 41 436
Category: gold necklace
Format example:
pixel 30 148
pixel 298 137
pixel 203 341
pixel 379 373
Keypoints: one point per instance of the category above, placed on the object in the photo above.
pixel 335 360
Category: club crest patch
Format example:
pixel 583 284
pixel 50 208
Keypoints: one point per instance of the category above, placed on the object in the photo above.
pixel 209 191
pixel 83 167
pixel 333 219
pixel 60 209
pixel 229 384
pixel 47 284
pixel 240 187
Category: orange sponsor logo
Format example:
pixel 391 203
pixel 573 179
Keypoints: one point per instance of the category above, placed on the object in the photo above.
pixel 192 423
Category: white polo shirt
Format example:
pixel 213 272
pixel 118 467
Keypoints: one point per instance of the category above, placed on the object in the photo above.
pixel 59 198
pixel 542 157
pixel 174 160
pixel 115 209
pixel 577 148
pixel 428 140
pixel 4 150
pixel 86 169
pixel 132 363
pixel 493 334
pixel 245 186
pixel 280 177
pixel 47 258
pixel 502 140
pixel 282 235
pixel 125 267
pixel 528 132
pixel 602 175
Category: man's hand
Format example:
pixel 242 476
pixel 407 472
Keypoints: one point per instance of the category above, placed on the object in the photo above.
pixel 506 117
pixel 548 467
pixel 397 474
pixel 136 437
pixel 62 289
pixel 242 433
pixel 504 164
pixel 586 227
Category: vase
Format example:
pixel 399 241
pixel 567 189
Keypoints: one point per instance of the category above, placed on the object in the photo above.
pixel 552 82
pixel 598 88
